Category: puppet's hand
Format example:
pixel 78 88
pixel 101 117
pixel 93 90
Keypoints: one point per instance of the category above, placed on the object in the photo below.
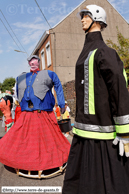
pixel 62 110
pixel 126 148
pixel 123 145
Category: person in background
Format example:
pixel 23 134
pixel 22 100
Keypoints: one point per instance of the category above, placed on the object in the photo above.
pixel 67 107
pixel 8 92
pixel 57 111
pixel 66 116
pixel 99 156
pixel 66 113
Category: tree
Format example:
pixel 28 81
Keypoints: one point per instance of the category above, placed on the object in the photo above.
pixel 0 85
pixel 122 48
pixel 8 84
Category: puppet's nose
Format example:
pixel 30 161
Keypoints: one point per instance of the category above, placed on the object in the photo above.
pixel 32 64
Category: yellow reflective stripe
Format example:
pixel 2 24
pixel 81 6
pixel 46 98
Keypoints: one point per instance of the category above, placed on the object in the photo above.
pixel 122 128
pixel 125 75
pixel 94 135
pixel 91 84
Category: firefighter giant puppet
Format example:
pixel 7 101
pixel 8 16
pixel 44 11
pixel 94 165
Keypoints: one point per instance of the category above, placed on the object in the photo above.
pixel 35 142
pixel 102 116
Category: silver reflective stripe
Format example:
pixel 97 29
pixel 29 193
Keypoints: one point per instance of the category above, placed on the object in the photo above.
pixel 95 128
pixel 121 120
pixel 86 84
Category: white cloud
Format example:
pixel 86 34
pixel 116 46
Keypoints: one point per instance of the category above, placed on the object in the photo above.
pixel 58 3
pixel 31 48
pixel 122 7
pixel 58 8
pixel 114 3
pixel 28 25
pixel 1 51
pixel 23 67
pixel 10 48
pixel 3 72
pixel 31 37
pixel 55 19
pixel 38 19
pixel 16 66
pixel 31 32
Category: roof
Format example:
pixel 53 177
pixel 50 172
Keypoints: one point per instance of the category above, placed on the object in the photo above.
pixel 69 14
pixel 46 33
pixel 82 3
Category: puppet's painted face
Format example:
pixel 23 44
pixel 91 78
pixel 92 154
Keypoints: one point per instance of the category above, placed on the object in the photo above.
pixel 34 64
pixel 86 22
pixel 5 108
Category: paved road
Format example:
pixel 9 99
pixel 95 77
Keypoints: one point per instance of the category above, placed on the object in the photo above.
pixel 8 176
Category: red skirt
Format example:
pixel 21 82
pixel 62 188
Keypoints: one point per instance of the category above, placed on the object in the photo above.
pixel 34 142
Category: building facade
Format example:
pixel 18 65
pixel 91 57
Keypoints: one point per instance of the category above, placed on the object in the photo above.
pixel 60 47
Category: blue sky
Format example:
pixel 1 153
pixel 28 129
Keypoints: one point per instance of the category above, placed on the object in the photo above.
pixel 28 25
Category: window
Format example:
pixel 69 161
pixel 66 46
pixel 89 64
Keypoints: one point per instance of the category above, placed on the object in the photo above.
pixel 43 59
pixel 48 54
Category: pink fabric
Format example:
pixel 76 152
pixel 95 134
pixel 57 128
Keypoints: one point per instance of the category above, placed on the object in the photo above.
pixel 35 142
pixel 17 113
pixel 34 64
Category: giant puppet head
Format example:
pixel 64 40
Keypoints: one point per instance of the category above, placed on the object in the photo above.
pixel 34 62
pixel 6 103
pixel 92 15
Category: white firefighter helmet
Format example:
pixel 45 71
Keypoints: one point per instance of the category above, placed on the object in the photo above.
pixel 96 13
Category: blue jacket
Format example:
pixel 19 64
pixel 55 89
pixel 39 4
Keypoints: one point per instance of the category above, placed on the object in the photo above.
pixel 37 89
